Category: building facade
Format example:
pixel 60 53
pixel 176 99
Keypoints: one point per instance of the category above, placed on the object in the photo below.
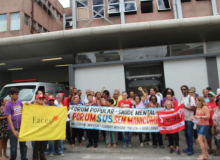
pixel 24 17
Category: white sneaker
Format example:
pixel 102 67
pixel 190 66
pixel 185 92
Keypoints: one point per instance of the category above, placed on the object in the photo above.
pixel 149 143
pixel 61 154
pixel 83 138
pixel 141 145
pixel 124 146
pixel 129 145
pixel 51 155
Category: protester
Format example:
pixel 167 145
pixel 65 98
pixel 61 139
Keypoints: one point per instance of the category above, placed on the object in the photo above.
pixel 98 99
pixel 105 95
pixel 165 92
pixel 174 137
pixel 189 108
pixel 111 136
pixel 125 103
pixel 211 105
pixel 202 115
pixel 75 131
pixel 115 98
pixel 194 91
pixel 3 130
pixel 13 111
pixel 169 97
pixel 69 98
pixel 92 93
pixel 209 89
pixel 46 94
pixel 131 97
pixel 139 104
pixel 51 149
pixel 39 146
pixel 85 99
pixel 156 137
pixel 153 92
pixel 59 98
pixel 92 133
pixel 74 91
pixel 216 122
pixel 205 95
pixel 79 93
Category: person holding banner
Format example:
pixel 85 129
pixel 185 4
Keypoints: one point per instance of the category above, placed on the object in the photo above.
pixel 125 103
pixel 155 136
pixel 13 111
pixel 202 116
pixel 39 146
pixel 98 99
pixel 174 136
pixel 111 136
pixel 92 133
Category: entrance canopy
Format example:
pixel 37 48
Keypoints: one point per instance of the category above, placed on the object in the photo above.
pixel 132 35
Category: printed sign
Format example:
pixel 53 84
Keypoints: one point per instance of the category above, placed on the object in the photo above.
pixel 114 118
pixel 171 121
pixel 41 123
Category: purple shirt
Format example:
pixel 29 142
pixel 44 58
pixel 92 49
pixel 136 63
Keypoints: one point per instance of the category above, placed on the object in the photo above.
pixel 15 110
pixel 165 99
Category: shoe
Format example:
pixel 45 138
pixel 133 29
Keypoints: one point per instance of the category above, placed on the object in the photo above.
pixel 178 152
pixel 154 146
pixel 149 143
pixel 129 145
pixel 76 139
pixel 73 145
pixel 190 153
pixel 114 145
pixel 124 145
pixel 216 154
pixel 83 138
pixel 141 145
pixel 61 154
pixel 186 150
pixel 50 155
pixel 171 150
pixel 95 145
pixel 109 145
pixel 89 145
pixel 161 146
pixel 210 152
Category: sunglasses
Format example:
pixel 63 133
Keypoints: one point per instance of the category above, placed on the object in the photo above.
pixel 183 89
pixel 153 98
pixel 40 98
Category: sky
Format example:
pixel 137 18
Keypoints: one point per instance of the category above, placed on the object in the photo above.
pixel 65 3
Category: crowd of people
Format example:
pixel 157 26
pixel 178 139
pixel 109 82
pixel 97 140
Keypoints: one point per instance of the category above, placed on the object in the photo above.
pixel 201 113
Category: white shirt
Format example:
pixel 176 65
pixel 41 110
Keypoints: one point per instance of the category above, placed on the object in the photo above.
pixel 188 101
pixel 85 100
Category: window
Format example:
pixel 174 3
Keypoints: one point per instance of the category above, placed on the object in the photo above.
pixel 15 21
pixel 61 18
pixel 26 19
pixel 34 25
pixel 163 5
pixel 113 7
pixel 45 5
pixel 39 28
pixel 79 5
pixel 44 30
pixel 49 8
pixel 39 3
pixel 3 22
pixel 98 6
pixel 130 6
pixel 69 24
pixel 146 6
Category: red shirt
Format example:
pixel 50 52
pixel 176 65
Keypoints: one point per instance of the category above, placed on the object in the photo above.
pixel 126 104
pixel 66 102
pixel 175 104
pixel 211 106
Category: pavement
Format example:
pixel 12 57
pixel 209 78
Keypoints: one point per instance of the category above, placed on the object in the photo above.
pixel 134 153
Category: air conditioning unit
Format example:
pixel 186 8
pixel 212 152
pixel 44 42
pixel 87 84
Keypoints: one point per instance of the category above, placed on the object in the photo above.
pixel 82 14
pixel 69 24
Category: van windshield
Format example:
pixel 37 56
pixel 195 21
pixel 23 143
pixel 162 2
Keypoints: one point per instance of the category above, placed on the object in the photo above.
pixel 26 92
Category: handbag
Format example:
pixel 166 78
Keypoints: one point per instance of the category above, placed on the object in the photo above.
pixel 215 130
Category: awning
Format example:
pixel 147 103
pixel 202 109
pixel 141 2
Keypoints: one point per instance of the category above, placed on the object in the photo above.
pixel 132 35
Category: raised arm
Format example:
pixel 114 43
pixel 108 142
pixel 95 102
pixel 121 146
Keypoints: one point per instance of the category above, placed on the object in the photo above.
pixel 103 88
pixel 143 94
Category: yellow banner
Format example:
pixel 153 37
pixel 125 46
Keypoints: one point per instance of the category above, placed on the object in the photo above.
pixel 41 123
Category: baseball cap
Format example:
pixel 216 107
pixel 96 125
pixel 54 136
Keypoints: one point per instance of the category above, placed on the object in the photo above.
pixel 40 96
pixel 212 93
pixel 51 97
pixel 63 94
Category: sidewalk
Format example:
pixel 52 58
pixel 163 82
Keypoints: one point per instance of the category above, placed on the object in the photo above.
pixel 136 152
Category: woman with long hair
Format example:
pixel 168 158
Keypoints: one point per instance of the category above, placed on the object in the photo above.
pixel 165 92
pixel 202 115
pixel 3 130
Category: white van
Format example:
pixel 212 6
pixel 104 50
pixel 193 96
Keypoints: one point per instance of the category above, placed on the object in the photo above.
pixel 28 90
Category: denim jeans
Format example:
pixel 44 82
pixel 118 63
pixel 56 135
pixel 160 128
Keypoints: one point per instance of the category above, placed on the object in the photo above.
pixel 13 147
pixel 189 134
pixel 126 137
pixel 51 149
pixel 218 141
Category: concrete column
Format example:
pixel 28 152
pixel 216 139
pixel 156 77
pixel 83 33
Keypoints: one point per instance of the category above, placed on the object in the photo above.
pixel 214 8
pixel 71 71
pixel 175 9
pixel 74 13
pixel 122 11
pixel 64 22
pixel 179 9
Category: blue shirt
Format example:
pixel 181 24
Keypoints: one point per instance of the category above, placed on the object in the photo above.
pixel 72 103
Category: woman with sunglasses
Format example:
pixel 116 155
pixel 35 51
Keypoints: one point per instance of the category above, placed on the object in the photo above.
pixel 202 115
pixel 156 137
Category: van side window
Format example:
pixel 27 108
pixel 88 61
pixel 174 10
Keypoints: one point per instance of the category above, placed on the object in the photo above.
pixel 41 88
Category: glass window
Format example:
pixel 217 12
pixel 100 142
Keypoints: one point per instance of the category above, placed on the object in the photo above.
pixel 61 18
pixel 79 5
pixel 163 5
pixel 3 22
pixel 39 28
pixel 44 30
pixel 95 57
pixel 98 6
pixel 146 6
pixel 48 11
pixel 213 47
pixel 130 5
pixel 186 49
pixel 26 19
pixel 15 21
pixel 113 7
pixel 39 3
pixel 34 24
